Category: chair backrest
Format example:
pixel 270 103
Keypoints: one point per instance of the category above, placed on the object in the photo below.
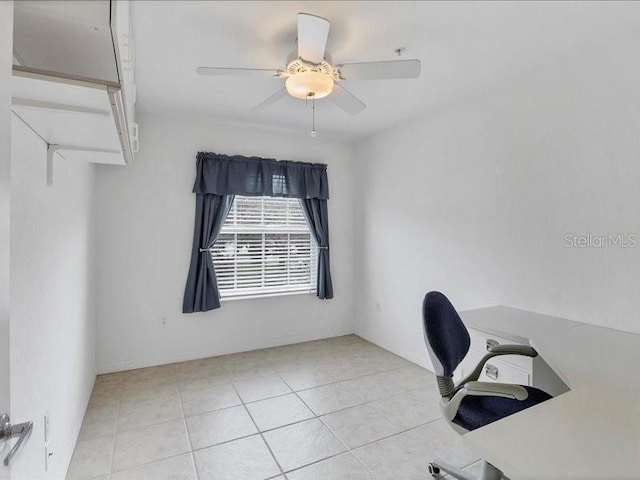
pixel 445 335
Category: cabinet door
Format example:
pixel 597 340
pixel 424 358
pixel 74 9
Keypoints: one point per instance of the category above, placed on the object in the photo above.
pixel 125 55
pixel 121 25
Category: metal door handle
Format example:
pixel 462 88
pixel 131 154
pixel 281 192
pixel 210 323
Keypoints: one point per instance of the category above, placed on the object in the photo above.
pixel 7 431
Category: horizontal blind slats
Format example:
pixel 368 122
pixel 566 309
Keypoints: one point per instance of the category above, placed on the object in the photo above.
pixel 264 248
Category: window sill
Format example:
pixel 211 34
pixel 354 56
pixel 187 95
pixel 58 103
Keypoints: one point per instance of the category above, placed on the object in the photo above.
pixel 266 295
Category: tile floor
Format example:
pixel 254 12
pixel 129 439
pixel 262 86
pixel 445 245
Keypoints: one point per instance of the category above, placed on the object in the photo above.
pixel 337 409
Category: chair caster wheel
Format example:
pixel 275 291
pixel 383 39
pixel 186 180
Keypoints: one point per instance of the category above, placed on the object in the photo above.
pixel 434 471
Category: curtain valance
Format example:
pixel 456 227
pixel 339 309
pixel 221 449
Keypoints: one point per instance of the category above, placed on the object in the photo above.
pixel 264 177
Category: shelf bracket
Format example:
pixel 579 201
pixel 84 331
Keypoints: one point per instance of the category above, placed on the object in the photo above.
pixel 61 107
pixel 117 108
pixel 53 148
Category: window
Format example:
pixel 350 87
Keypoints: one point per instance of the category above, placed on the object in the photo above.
pixel 265 248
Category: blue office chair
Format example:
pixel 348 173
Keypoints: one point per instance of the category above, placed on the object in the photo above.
pixel 469 404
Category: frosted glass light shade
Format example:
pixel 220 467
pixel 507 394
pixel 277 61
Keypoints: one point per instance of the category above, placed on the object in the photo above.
pixel 309 84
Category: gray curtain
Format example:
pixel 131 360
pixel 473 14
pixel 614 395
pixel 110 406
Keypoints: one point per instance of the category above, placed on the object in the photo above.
pixel 259 177
pixel 218 179
pixel 201 292
pixel 315 211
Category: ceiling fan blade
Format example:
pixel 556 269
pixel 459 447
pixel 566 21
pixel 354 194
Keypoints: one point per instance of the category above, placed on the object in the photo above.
pixel 237 71
pixel 270 101
pixel 312 37
pixel 380 70
pixel 345 100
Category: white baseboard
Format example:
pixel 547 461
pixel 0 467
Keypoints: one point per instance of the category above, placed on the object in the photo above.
pixel 214 352
pixel 419 358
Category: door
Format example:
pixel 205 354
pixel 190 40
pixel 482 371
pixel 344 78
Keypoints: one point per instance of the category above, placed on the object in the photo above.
pixel 6 57
pixel 12 435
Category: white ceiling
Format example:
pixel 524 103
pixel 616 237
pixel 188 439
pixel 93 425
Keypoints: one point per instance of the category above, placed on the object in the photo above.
pixel 465 47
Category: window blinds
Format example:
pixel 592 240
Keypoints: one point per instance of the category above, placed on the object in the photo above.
pixel 264 248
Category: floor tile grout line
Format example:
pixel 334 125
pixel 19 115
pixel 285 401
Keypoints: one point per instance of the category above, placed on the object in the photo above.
pixel 352 450
pixel 199 449
pixel 278 369
pixel 279 373
pixel 302 421
pixel 405 389
pixel 165 420
pixel 115 433
pixel 264 440
pixel 358 341
pixel 317 461
pixel 366 469
pixel 188 438
pixel 258 431
pixel 208 412
pixel 148 463
pixel 315 417
pixel 348 451
pixel 186 428
pixel 79 440
pixel 140 428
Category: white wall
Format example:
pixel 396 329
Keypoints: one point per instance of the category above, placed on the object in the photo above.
pixel 52 321
pixel 144 233
pixel 475 199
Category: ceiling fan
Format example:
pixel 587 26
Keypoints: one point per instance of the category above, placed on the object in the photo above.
pixel 310 73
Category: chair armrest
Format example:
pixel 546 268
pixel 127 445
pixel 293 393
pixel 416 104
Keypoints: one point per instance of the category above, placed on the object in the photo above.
pixel 482 389
pixel 492 389
pixel 525 350
pixel 496 351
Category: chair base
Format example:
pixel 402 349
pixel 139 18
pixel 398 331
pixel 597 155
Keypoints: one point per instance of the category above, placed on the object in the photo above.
pixel 489 472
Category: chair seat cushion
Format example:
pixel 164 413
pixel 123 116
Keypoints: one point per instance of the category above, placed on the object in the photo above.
pixel 475 411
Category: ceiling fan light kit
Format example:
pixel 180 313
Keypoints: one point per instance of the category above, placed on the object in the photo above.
pixel 309 84
pixel 306 80
pixel 311 74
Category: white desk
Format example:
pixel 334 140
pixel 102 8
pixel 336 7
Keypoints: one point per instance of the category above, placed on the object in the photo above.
pixel 590 432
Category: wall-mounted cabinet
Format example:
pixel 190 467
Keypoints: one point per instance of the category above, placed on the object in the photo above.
pixel 74 82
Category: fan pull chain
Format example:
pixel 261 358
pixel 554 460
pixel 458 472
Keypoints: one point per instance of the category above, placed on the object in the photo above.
pixel 314 134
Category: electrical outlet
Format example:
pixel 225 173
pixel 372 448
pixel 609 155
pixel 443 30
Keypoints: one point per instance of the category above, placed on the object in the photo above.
pixel 379 306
